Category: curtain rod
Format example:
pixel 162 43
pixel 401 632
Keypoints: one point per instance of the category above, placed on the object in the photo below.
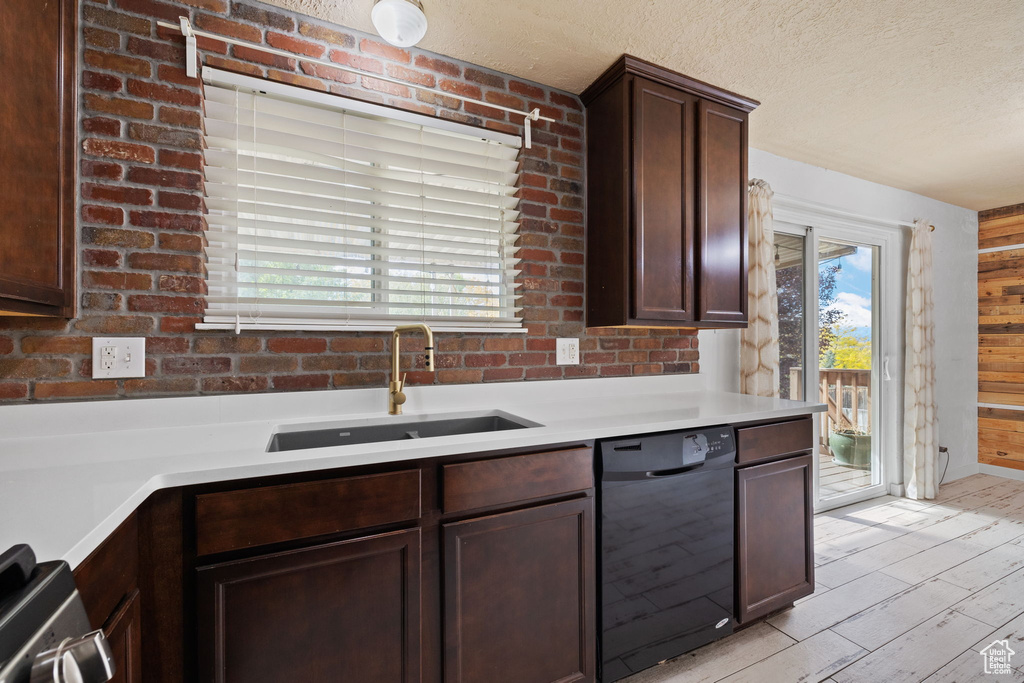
pixel 185 28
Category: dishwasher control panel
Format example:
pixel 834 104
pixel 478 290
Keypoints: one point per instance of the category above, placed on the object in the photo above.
pixel 668 450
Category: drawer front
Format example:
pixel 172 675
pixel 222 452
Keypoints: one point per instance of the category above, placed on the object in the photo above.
pixel 253 517
pixel 754 444
pixel 486 483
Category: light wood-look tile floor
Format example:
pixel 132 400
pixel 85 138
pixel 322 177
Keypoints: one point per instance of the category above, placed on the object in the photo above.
pixel 907 591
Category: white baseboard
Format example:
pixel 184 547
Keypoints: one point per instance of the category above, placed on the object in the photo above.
pixel 1004 472
pixel 960 472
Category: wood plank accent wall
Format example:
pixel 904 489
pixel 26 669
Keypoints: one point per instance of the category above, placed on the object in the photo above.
pixel 1001 337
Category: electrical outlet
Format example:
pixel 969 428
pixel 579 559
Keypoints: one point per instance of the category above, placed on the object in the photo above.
pixel 567 351
pixel 114 357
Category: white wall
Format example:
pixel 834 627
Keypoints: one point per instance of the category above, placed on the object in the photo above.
pixel 956 291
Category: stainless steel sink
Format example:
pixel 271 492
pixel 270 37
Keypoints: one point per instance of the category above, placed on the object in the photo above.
pixel 343 435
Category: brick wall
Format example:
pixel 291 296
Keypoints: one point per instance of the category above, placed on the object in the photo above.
pixel 141 239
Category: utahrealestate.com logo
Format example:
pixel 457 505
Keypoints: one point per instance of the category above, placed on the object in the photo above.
pixel 997 658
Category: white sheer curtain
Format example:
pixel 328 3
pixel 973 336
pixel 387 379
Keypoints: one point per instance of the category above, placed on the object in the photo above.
pixel 920 451
pixel 759 342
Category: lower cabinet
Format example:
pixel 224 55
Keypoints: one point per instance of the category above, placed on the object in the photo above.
pixel 124 633
pixel 519 596
pixel 774 528
pixel 345 611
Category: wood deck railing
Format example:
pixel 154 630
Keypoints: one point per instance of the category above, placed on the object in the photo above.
pixel 834 385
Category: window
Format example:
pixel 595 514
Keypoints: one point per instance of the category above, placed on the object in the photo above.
pixel 331 213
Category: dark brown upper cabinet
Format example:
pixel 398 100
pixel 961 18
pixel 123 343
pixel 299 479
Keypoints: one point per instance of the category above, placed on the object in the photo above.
pixel 37 157
pixel 666 200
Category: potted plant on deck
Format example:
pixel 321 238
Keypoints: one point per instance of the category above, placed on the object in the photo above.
pixel 850 446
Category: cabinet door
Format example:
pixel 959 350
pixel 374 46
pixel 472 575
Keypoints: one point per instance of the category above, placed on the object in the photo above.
pixel 722 222
pixel 663 189
pixel 519 596
pixel 775 544
pixel 347 611
pixel 124 633
pixel 37 156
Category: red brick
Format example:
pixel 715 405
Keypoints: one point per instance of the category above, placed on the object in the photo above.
pixel 544 372
pixel 462 89
pixel 328 73
pixel 502 374
pixel 457 376
pixel 262 17
pixel 115 149
pixel 175 241
pixel 301 382
pixel 119 106
pixel 116 20
pixel 34 368
pixel 566 215
pixel 234 384
pixel 117 194
pixel 233 65
pixel 405 74
pixel 503 344
pixel 99 125
pixel 165 52
pixel 168 137
pixel 180 117
pixel 182 283
pixel 167 345
pixel 212 5
pixel 177 263
pixel 171 73
pixel 101 169
pixel 431 97
pixel 13 390
pixel 6 345
pixel 484 360
pixel 226 27
pixel 267 364
pixel 525 359
pixel 573 258
pixel 113 237
pixel 357 344
pixel 329 363
pixel 565 130
pixel 563 100
pixel 110 215
pixel 101 258
pixel 302 47
pixel 297 345
pixel 176 325
pixel 412 106
pixel 46 390
pixel 163 93
pixel 94 80
pixel 166 221
pixel 438 65
pixel 525 89
pixel 504 100
pixel 326 35
pixel 160 385
pixel 546 110
pixel 295 79
pixel 164 178
pixel 249 54
pixel 120 281
pixel 116 62
pixel 482 110
pixel 395 54
pixel 193 365
pixel 150 8
pixel 485 78
pixel 180 201
pixel 148 303
pixel 540 196
pixel 386 87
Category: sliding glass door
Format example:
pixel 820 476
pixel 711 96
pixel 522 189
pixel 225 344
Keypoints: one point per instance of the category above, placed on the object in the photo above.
pixel 832 351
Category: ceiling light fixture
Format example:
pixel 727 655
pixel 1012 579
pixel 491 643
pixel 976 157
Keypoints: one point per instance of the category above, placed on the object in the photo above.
pixel 400 22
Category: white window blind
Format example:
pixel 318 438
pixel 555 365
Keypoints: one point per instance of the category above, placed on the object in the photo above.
pixel 330 213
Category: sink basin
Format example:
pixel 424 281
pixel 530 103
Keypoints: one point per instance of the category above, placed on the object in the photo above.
pixel 342 435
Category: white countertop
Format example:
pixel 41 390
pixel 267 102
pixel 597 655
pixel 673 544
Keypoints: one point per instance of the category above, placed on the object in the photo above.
pixel 71 473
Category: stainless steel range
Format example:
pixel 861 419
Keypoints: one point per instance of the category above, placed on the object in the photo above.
pixel 45 636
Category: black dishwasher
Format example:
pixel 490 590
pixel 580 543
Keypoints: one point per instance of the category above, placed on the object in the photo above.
pixel 666 537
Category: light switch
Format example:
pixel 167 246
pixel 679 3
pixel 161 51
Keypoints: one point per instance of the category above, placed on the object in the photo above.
pixel 114 357
pixel 567 351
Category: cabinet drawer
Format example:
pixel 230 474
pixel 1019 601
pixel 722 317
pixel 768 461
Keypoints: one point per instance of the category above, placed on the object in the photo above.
pixel 754 444
pixel 485 483
pixel 252 517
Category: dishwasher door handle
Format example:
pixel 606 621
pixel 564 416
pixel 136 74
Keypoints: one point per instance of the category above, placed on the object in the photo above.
pixel 641 475
pixel 675 471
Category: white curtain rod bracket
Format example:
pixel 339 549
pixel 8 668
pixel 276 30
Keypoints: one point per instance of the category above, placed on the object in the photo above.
pixel 191 67
pixel 191 52
pixel 532 116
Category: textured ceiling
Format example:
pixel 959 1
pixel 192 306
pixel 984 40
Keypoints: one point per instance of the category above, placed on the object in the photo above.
pixel 924 95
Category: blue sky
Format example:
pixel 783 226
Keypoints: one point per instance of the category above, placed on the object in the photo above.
pixel 854 289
